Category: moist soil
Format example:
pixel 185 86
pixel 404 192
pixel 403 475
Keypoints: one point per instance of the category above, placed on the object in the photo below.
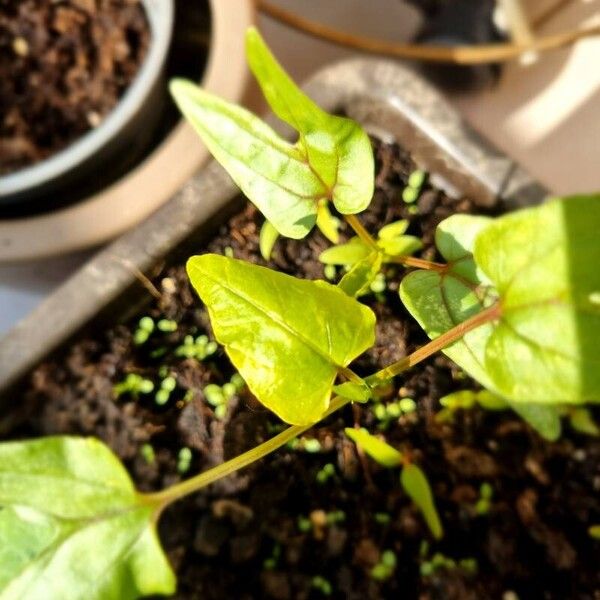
pixel 63 67
pixel 241 538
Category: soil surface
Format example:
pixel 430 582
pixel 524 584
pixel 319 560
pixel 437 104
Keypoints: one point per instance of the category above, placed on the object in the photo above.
pixel 271 529
pixel 63 67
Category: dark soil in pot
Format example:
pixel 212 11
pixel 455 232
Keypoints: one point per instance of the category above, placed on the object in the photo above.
pixel 268 531
pixel 63 67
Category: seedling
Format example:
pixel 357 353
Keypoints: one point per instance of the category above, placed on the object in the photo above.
pixel 386 566
pixel 440 562
pixel 199 348
pixel 184 461
pixel 516 304
pixel 134 385
pixel 219 396
pixel 167 325
pixel 167 386
pixel 271 562
pixel 143 331
pixel 412 479
pixel 325 474
pixel 322 585
pixel 413 187
pixel 486 493
pixel 147 452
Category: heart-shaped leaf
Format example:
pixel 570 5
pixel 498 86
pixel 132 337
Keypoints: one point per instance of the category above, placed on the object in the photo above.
pixel 287 337
pixel 332 159
pixel 72 526
pixel 544 263
pixel 442 300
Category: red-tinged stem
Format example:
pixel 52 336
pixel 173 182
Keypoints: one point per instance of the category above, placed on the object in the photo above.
pixel 439 343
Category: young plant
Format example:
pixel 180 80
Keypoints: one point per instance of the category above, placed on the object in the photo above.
pixel 413 480
pixel 516 305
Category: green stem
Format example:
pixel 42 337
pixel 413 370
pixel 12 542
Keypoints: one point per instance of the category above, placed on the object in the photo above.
pixel 439 343
pixel 361 232
pixel 189 486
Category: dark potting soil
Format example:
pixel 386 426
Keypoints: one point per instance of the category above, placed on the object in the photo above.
pixel 246 536
pixel 63 67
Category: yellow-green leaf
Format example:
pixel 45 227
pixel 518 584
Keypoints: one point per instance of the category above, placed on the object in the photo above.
pixel 72 526
pixel 377 449
pixel 286 336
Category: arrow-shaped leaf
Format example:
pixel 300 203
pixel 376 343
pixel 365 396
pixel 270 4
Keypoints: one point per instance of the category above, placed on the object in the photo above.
pixel 287 337
pixel 332 159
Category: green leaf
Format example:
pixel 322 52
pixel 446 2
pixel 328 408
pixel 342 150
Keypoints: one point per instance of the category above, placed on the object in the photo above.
pixel 544 263
pixel 415 484
pixel 268 237
pixel 377 449
pixel 332 159
pixel 544 419
pixel 272 173
pixel 357 392
pixel 441 300
pixel 73 527
pixel 581 420
pixel 400 246
pixel 336 148
pixel 287 337
pixel 393 230
pixel 357 280
pixel 349 253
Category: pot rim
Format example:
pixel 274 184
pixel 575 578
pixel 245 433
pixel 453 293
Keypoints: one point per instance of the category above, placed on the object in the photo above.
pixel 160 15
pixel 139 193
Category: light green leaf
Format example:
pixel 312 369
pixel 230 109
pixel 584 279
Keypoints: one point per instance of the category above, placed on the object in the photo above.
pixel 336 148
pixel 349 253
pixel 327 223
pixel 404 245
pixel 357 392
pixel 73 527
pixel 357 280
pixel 581 420
pixel 266 241
pixel 377 449
pixel 393 230
pixel 415 484
pixel 287 337
pixel 544 263
pixel 272 173
pixel 440 301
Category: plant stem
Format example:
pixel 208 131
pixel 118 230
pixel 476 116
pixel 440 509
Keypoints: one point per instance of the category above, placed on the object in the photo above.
pixel 439 343
pixel 361 232
pixel 189 486
pixel 419 263
pixel 464 55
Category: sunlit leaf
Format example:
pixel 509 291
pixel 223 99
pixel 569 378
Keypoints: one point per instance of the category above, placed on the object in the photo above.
pixel 286 336
pixel 377 449
pixel 349 253
pixel 440 301
pixel 357 392
pixel 336 148
pixel 73 527
pixel 544 263
pixel 415 484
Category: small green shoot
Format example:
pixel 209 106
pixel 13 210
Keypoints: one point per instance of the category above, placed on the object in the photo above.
pixel 134 385
pixel 322 585
pixel 411 192
pixel 413 480
pixel 325 474
pixel 386 566
pixel 484 504
pixel 594 532
pixel 272 561
pixel 148 454
pixel 143 331
pixel 167 386
pixel 184 460
pixel 199 348
pixel 167 325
